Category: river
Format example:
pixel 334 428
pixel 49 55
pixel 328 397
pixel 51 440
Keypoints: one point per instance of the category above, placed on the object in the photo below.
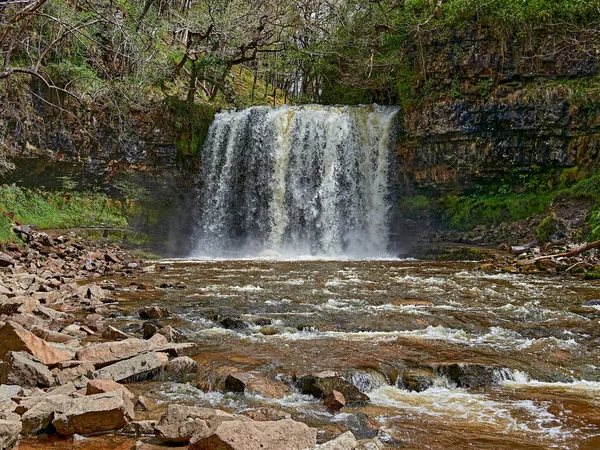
pixel 375 321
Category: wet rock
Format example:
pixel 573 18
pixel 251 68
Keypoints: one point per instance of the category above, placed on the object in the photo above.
pixel 324 383
pixel 180 368
pixel 180 423
pixel 154 312
pixel 149 329
pixel 592 303
pixel 175 350
pixel 95 414
pixel 345 441
pixel 243 435
pixel 418 380
pixel 16 338
pixel 268 331
pixel 233 324
pixel 469 375
pixel 111 352
pixel 9 433
pixel 139 368
pixel 20 368
pixel 171 334
pixel 114 334
pixel 256 383
pixel 261 321
pixel 367 379
pixel 334 401
pixel 362 426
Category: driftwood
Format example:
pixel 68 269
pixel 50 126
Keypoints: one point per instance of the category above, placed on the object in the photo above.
pixel 575 252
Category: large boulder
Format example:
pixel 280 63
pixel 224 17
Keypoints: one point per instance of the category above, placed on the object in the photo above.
pixel 20 368
pixel 16 338
pixel 347 441
pixel 9 433
pixel 181 368
pixel 95 414
pixel 39 417
pixel 139 368
pixel 470 375
pixel 247 435
pixel 154 312
pixel 104 386
pixel 256 383
pixel 107 353
pixel 72 371
pixel 322 384
pixel 180 423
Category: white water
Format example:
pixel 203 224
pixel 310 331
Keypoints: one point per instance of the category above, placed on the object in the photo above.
pixel 295 181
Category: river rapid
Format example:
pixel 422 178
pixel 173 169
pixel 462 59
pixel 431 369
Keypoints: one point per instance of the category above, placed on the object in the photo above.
pixel 382 324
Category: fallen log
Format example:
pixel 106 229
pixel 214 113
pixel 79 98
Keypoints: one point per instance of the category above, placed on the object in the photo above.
pixel 575 252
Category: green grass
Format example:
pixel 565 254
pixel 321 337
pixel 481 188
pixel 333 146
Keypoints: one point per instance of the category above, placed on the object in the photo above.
pixel 49 210
pixel 522 196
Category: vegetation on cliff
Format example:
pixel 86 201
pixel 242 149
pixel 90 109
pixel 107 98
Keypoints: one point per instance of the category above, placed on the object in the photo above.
pixel 80 77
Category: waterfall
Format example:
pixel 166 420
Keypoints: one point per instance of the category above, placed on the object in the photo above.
pixel 292 181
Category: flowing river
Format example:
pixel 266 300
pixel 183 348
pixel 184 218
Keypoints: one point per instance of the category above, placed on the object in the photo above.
pixel 381 322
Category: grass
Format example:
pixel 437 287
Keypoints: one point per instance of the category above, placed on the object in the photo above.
pixel 48 210
pixel 522 196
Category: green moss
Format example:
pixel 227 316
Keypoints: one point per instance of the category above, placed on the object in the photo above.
pixel 48 209
pixel 547 227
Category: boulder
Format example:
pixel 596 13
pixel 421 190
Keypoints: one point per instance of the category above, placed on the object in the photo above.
pixel 107 353
pixel 171 334
pixel 243 435
pixel 180 423
pixel 114 334
pixel 335 401
pixel 16 338
pixel 74 371
pixel 180 368
pixel 103 386
pixel 95 413
pixel 256 383
pixel 9 433
pixel 6 260
pixel 140 428
pixel 154 312
pixel 176 350
pixel 233 324
pixel 22 369
pixel 345 441
pixel 469 375
pixel 9 306
pixel 39 417
pixel 149 329
pixel 322 384
pixel 418 380
pixel 53 336
pixel 139 368
pixel 8 391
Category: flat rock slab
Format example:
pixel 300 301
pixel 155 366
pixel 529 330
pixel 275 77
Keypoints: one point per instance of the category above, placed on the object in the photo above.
pixel 23 369
pixel 284 434
pixel 16 338
pixel 95 414
pixel 139 368
pixel 180 423
pixel 107 353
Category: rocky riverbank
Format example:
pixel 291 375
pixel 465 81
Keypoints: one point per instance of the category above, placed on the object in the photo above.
pixel 64 368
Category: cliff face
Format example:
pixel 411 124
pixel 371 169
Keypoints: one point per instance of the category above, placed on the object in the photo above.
pixel 507 102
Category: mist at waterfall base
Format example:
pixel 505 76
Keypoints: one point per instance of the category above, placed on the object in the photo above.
pixel 293 182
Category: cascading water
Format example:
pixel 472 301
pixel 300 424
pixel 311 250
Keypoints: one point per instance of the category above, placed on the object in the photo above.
pixel 309 180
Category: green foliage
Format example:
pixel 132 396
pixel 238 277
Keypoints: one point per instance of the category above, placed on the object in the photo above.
pixel 413 206
pixel 49 210
pixel 547 227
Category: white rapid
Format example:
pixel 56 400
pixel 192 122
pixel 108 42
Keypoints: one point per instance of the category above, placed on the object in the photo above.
pixel 293 181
